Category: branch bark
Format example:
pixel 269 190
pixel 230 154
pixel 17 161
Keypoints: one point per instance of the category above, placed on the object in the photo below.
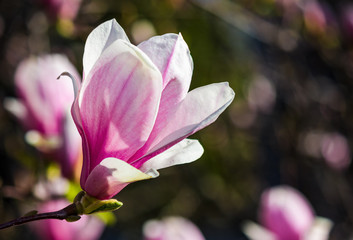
pixel 62 214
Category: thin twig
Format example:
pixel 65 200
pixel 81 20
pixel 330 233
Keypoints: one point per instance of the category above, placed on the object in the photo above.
pixel 64 213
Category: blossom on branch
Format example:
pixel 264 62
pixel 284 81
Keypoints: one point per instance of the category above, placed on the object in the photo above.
pixel 134 109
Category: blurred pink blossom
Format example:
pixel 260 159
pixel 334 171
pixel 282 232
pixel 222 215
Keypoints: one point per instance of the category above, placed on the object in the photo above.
pixel 314 17
pixel 286 213
pixel 88 227
pixel 63 9
pixel 134 110
pixel 335 150
pixel 43 108
pixel 171 228
pixel 262 95
pixel 333 147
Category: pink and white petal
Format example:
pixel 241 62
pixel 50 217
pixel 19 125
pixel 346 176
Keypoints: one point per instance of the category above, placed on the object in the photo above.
pixel 39 92
pixel 118 103
pixel 99 40
pixel 58 93
pixel 110 177
pixel 27 86
pixel 171 55
pixel 201 107
pixel 86 164
pixel 183 152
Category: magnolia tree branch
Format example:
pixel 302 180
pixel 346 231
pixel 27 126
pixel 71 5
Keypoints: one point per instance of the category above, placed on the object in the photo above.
pixel 83 204
pixel 69 213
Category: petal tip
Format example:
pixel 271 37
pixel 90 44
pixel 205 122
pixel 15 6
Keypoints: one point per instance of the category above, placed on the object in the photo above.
pixel 229 91
pixel 153 173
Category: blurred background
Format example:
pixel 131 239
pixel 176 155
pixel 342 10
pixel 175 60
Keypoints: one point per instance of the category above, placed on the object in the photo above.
pixel 290 63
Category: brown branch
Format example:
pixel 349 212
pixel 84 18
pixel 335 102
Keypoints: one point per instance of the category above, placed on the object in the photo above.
pixel 62 214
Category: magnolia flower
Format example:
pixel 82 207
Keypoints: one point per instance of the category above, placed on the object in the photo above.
pixel 88 228
pixel 43 108
pixel 285 214
pixel 171 228
pixel 134 111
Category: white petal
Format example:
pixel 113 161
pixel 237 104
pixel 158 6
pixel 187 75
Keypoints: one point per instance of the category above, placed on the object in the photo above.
pixel 320 229
pixel 200 108
pixel 100 39
pixel 171 55
pixel 256 232
pixel 185 151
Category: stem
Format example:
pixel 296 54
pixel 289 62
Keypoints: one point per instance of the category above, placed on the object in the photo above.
pixel 64 213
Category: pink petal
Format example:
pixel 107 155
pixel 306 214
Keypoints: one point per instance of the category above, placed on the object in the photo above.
pixel 171 55
pixel 45 98
pixel 99 40
pixel 183 152
pixel 118 104
pixel 70 152
pixel 201 107
pixel 286 212
pixel 69 9
pixel 110 177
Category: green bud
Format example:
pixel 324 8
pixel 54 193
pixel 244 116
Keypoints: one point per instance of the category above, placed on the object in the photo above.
pixel 103 206
pixel 86 204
